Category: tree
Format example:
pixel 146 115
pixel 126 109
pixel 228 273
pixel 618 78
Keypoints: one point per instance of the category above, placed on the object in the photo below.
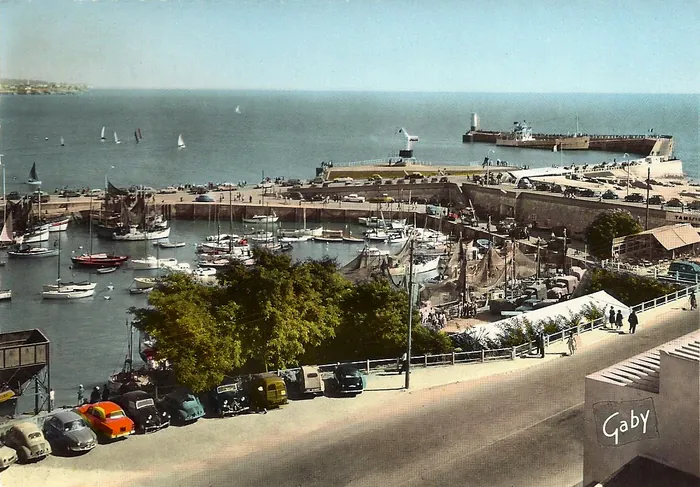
pixel 194 331
pixel 607 226
pixel 631 289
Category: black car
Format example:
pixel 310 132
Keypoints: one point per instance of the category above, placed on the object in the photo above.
pixel 589 193
pixel 675 203
pixel 610 195
pixel 656 199
pixel 14 196
pixel 347 379
pixel 634 198
pixel 228 400
pixel 141 408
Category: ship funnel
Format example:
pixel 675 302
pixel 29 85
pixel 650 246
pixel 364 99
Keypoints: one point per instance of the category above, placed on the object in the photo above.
pixel 475 121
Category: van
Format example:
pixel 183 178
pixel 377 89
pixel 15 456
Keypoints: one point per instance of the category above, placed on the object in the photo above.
pixel 268 390
pixel 685 269
pixel 310 381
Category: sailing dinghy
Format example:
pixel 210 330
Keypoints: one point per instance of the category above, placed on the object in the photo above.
pixel 180 142
pixel 102 134
pixel 33 177
pixel 116 139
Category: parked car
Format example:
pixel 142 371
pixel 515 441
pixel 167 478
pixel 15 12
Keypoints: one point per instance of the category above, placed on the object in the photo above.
pixel 8 456
pixel 675 203
pixel 542 187
pixel 524 183
pixel 354 198
pixel 656 199
pixel 69 193
pixel 385 198
pixel 141 408
pixel 182 406
pixel 310 381
pixel 29 442
pixel 267 390
pixel 107 419
pixel 694 205
pixel 204 198
pixel 67 431
pixel 228 399
pixel 347 379
pixel 556 188
pixel 634 198
pixel 610 195
pixel 684 269
pixel 45 197
pixel 589 193
pixel 444 179
pixel 14 196
pixel 168 190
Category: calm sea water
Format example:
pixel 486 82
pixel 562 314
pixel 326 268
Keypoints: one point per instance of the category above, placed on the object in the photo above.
pixel 279 133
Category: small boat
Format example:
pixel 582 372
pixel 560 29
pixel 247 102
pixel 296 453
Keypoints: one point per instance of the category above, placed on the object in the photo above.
pixel 36 234
pixel 139 132
pixel 102 134
pixel 261 236
pixel 330 236
pixel 204 272
pixel 116 139
pixel 78 286
pixel 134 234
pixel 33 252
pixel 351 239
pixel 150 262
pixel 33 177
pixel 272 218
pixel 136 136
pixel 138 290
pixel 67 292
pixel 106 270
pixel 424 265
pixel 238 109
pixel 301 238
pixel 145 282
pixel 60 225
pixel 300 232
pixel 99 260
pixel 63 142
pixel 182 267
pixel 169 245
pixel 373 251
pixel 180 142
pixel 5 294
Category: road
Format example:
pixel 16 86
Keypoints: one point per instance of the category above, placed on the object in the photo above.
pixel 521 427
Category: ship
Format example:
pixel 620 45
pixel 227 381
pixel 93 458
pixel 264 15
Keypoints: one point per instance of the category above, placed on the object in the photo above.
pixel 522 136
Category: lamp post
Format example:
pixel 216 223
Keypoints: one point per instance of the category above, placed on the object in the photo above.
pixel 4 198
pixel 627 166
pixel 488 163
pixel 407 379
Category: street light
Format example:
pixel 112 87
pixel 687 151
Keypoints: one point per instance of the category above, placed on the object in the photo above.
pixel 488 163
pixel 4 198
pixel 627 166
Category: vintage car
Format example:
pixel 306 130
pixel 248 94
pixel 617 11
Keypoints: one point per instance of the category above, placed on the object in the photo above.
pixel 182 406
pixel 228 399
pixel 107 419
pixel 8 456
pixel 141 408
pixel 310 381
pixel 610 195
pixel 67 431
pixel 347 379
pixel 29 442
pixel 268 390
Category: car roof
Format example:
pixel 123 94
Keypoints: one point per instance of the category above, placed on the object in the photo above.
pixel 107 406
pixel 66 415
pixel 136 395
pixel 26 427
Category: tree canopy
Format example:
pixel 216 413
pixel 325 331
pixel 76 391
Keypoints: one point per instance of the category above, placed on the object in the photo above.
pixel 607 226
pixel 277 314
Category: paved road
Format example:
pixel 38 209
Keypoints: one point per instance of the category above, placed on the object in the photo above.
pixel 520 429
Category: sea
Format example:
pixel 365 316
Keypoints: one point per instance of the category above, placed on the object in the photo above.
pixel 234 136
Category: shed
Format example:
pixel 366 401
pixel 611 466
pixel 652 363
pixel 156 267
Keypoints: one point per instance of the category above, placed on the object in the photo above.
pixel 668 241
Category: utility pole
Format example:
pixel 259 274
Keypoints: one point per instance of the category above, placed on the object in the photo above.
pixel 410 315
pixel 537 275
pixel 505 267
pixel 566 250
pixel 646 222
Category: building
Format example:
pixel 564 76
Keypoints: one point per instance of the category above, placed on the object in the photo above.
pixel 642 421
pixel 667 242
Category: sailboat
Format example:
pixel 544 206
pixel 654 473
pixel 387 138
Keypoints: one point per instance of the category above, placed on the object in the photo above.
pixel 102 134
pixel 116 139
pixel 62 142
pixel 180 142
pixel 98 261
pixel 7 236
pixel 33 177
pixel 238 109
pixel 139 132
pixel 68 290
pixel 136 136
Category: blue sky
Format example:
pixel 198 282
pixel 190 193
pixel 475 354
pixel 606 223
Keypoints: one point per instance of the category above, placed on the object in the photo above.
pixel 627 46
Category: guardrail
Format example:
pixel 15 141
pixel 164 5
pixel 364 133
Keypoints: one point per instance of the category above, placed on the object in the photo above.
pixel 489 355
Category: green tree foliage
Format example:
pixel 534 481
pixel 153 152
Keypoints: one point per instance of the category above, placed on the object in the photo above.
pixel 631 289
pixel 607 226
pixel 195 331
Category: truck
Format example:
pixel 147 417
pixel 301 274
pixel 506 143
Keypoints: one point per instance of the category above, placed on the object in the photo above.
pixel 354 198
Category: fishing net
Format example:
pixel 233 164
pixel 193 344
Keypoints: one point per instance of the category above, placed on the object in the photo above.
pixel 365 266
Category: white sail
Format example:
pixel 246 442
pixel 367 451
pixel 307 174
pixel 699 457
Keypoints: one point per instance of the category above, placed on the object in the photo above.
pixel 102 134
pixel 7 235
pixel 62 142
pixel 238 109
pixel 180 142
pixel 116 139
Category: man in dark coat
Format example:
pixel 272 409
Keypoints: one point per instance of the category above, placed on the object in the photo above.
pixel 632 318
pixel 540 344
pixel 611 318
pixel 95 395
pixel 618 319
pixel 105 393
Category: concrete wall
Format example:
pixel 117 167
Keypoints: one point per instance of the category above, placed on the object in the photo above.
pixel 444 192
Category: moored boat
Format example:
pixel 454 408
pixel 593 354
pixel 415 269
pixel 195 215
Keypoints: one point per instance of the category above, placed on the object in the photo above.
pixel 151 262
pixel 33 177
pixel 67 292
pixel 26 252
pixel 135 235
pixel 262 219
pixel 60 225
pixel 106 270
pixel 99 260
pixel 36 234
pixel 78 286
pixel 169 245
pixel 330 236
pixel 5 294
pixel 145 282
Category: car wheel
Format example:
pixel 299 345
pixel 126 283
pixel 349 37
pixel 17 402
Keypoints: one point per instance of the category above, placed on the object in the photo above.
pixel 22 455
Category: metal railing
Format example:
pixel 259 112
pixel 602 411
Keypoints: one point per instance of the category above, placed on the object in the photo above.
pixel 387 365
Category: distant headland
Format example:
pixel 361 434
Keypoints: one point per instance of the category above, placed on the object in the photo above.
pixel 37 87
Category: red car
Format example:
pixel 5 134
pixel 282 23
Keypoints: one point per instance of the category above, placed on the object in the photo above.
pixel 107 418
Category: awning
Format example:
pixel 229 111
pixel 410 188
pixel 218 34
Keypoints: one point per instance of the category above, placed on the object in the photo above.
pixel 673 237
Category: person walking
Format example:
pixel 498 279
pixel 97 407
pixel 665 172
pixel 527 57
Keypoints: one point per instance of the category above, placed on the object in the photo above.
pixel 693 301
pixel 618 320
pixel 81 394
pixel 95 395
pixel 540 343
pixel 105 393
pixel 611 318
pixel 572 341
pixel 633 320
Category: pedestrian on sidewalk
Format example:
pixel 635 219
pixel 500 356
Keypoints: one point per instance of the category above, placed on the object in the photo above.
pixel 611 318
pixel 81 394
pixel 633 320
pixel 618 320
pixel 572 341
pixel 105 393
pixel 693 301
pixel 540 344
pixel 402 363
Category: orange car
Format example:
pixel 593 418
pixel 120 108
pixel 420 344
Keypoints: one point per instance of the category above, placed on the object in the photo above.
pixel 107 418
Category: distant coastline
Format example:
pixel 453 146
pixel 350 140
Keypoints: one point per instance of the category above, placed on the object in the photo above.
pixel 37 87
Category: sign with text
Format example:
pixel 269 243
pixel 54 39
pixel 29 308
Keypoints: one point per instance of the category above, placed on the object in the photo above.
pixel 678 217
pixel 621 422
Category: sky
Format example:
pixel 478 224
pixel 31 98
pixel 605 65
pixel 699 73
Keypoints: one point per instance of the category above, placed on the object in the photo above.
pixel 597 46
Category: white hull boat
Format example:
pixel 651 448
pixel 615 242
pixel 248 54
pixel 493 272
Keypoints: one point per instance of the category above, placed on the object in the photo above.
pixel 77 286
pixel 67 293
pixel 33 252
pixel 170 245
pixel 5 294
pixel 204 272
pixel 151 262
pixel 262 219
pixel 301 232
pixel 426 266
pixel 40 234
pixel 135 235
pixel 302 238
pixel 106 270
pixel 182 268
pixel 145 282
pixel 59 225
pixel 373 251
pixel 180 142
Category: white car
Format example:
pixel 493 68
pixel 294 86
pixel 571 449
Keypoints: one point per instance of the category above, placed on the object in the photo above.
pixel 168 190
pixel 354 198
